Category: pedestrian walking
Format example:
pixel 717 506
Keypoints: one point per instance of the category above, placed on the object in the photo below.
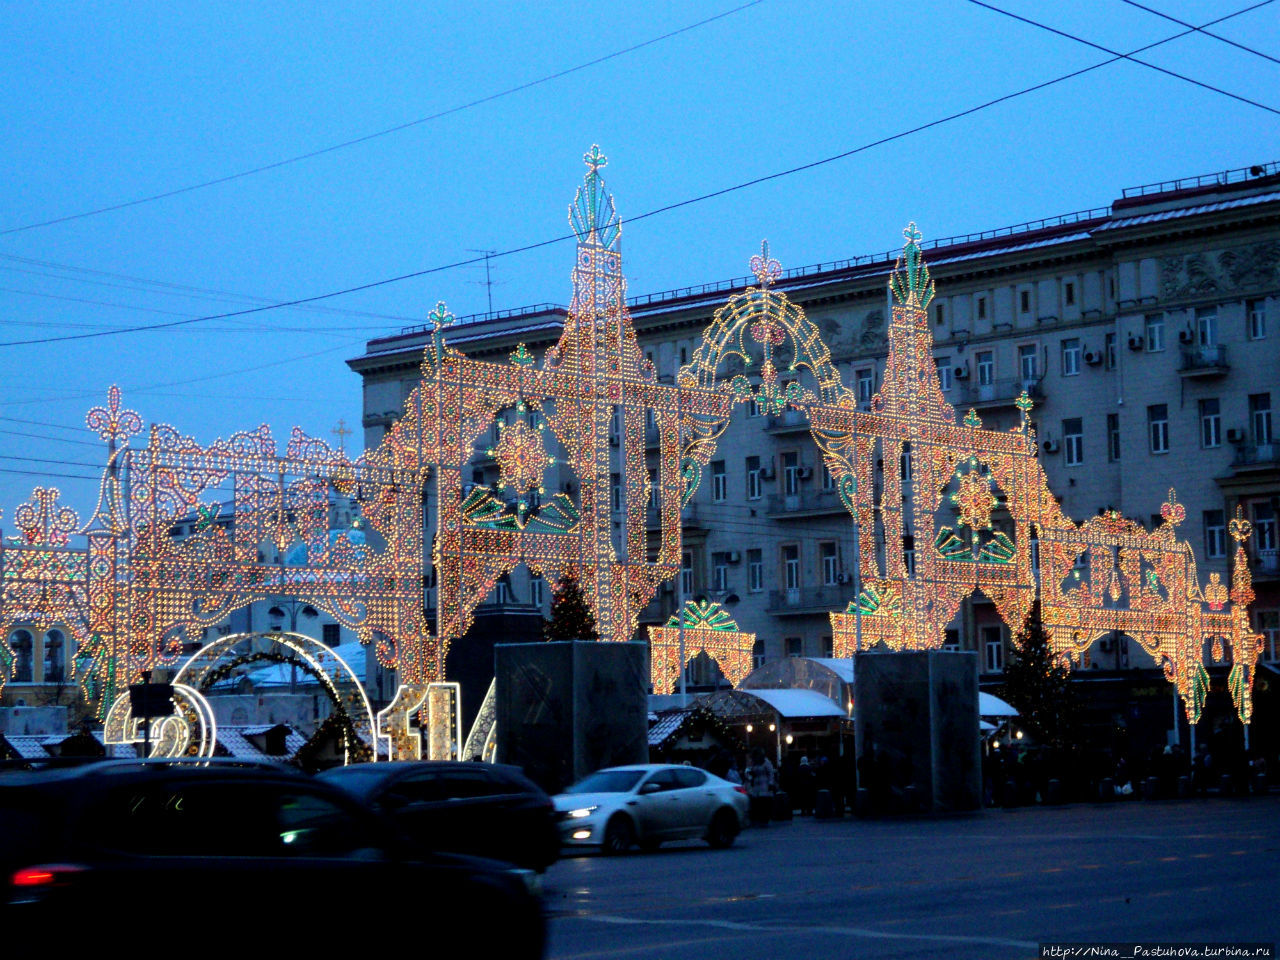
pixel 762 781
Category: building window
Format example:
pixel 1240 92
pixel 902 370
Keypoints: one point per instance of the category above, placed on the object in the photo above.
pixel 982 308
pixel 866 380
pixel 1070 357
pixel 1109 350
pixel 1206 326
pixel 909 555
pixel 1267 623
pixel 1155 332
pixel 22 644
pixel 1210 423
pixel 330 635
pixel 653 489
pixel 720 571
pixel 686 573
pixel 503 594
pixel 1260 417
pixel 1256 318
pixel 904 465
pixel 944 372
pixel 939 314
pixel 753 478
pixel 719 482
pixel 993 647
pixel 1027 362
pixel 755 570
pixel 55 649
pixel 791 473
pixel 1069 293
pixel 1024 301
pixel 1215 534
pixel 1113 437
pixel 536 586
pixel 754 409
pixel 684 355
pixel 828 478
pixel 1073 441
pixel 986 361
pixel 1158 427
pixel 830 563
pixel 791 566
pixel 615 491
pixel 1264 527
pixel 828 648
pixel 757 653
pixel 952 641
pixel 794 646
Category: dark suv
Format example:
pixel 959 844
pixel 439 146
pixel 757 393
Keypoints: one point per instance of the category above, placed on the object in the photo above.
pixel 485 809
pixel 217 844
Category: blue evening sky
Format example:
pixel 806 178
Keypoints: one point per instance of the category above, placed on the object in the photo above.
pixel 104 103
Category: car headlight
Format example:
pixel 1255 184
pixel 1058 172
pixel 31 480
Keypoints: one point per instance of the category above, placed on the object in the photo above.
pixel 582 812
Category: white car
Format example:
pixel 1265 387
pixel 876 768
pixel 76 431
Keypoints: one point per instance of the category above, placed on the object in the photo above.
pixel 647 804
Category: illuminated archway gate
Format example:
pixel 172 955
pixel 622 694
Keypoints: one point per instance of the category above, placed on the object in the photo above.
pixel 131 592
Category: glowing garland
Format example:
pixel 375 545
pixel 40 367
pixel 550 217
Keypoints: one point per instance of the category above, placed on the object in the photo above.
pixel 703 627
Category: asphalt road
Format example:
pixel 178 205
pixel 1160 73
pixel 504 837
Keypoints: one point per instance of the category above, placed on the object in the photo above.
pixel 988 886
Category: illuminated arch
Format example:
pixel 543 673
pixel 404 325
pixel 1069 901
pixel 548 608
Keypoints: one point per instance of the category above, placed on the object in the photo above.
pixel 335 676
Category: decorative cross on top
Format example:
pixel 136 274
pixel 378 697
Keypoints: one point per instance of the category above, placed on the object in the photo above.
pixel 439 318
pixel 912 234
pixel 341 432
pixel 594 158
pixel 764 267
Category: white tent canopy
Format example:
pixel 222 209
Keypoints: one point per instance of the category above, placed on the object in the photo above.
pixel 799 703
pixel 992 706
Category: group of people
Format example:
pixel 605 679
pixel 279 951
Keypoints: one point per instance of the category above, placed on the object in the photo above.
pixel 795 784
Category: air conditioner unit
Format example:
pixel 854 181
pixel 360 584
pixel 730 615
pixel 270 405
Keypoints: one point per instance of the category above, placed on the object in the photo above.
pixel 1135 343
pixel 1185 336
pixel 844 578
pixel 1051 446
pixel 1235 435
pixel 960 373
pixel 767 473
pixel 613 440
pixel 804 473
pixel 733 556
pixel 1092 357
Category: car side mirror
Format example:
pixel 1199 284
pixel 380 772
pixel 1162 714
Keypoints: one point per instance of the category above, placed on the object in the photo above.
pixel 650 787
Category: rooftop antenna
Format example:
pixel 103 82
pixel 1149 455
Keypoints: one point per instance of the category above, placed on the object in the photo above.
pixel 488 277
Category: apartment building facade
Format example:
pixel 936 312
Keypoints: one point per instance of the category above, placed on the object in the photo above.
pixel 1147 332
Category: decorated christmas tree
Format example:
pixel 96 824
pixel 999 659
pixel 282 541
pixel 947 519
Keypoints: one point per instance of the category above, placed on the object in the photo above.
pixel 571 618
pixel 1038 684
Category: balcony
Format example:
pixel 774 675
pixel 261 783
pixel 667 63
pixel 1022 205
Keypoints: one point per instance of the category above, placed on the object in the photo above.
pixel 997 395
pixel 688 517
pixel 1256 456
pixel 1203 362
pixel 1265 565
pixel 806 601
pixel 815 503
pixel 789 421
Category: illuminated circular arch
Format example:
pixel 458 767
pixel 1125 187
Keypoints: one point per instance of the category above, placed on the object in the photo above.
pixel 334 674
pixel 190 731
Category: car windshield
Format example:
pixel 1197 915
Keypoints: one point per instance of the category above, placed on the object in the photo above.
pixel 607 781
pixel 359 781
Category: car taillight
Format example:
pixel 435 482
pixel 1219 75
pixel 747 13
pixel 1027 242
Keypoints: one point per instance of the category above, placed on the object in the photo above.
pixel 741 789
pixel 45 875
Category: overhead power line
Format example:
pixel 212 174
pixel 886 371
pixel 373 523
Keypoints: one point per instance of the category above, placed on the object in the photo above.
pixel 1127 56
pixel 1207 33
pixel 383 133
pixel 660 210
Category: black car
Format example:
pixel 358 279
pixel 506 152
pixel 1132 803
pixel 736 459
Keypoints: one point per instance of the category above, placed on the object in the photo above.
pixel 485 809
pixel 213 847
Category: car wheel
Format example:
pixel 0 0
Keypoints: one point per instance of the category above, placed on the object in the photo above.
pixel 723 830
pixel 619 835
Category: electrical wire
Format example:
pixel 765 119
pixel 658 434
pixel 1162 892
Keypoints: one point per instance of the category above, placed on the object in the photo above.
pixel 1207 33
pixel 382 133
pixel 1126 56
pixel 679 204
